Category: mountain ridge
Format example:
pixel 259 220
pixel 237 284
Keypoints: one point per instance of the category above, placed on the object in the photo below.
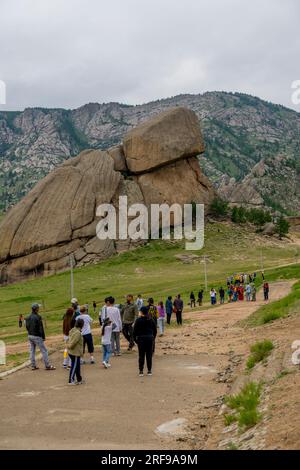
pixel 240 131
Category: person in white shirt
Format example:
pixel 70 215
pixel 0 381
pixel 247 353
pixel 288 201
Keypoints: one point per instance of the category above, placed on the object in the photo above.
pixel 87 333
pixel 139 302
pixel 106 341
pixel 113 313
pixel 103 311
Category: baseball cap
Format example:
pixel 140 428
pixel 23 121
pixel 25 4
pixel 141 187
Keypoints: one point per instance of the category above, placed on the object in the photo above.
pixel 34 306
pixel 74 301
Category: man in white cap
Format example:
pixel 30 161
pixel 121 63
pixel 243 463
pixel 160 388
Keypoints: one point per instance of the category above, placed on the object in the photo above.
pixel 36 336
pixel 76 309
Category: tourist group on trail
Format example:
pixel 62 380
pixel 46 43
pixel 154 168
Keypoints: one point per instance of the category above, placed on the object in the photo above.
pixel 138 321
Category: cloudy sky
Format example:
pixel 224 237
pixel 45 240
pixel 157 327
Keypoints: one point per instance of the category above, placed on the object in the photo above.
pixel 65 53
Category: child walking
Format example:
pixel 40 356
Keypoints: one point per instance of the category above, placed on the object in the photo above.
pixel 75 350
pixel 161 318
pixel 107 329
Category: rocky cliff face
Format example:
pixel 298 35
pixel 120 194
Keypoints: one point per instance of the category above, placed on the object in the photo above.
pixel 156 164
pixel 240 132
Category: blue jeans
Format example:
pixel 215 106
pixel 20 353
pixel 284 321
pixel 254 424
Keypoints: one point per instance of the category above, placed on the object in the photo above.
pixel 106 348
pixel 36 341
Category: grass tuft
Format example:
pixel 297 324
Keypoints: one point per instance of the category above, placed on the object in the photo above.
pixel 245 405
pixel 259 352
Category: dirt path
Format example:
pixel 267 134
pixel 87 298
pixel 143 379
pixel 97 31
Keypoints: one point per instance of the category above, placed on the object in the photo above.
pixel 116 409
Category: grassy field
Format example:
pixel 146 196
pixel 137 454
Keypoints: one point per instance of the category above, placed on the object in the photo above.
pixel 229 248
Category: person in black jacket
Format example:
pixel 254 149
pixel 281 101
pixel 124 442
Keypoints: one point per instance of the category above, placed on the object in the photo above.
pixel 36 336
pixel 144 333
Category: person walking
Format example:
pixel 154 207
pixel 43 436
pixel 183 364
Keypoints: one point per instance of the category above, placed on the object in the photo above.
pixel 213 296
pixel 253 291
pixel 248 292
pixel 75 351
pixel 103 311
pixel 241 293
pixel 106 339
pixel 222 295
pixel 36 337
pixel 230 293
pixel 129 314
pixel 76 309
pixel 266 291
pixel 144 334
pixel 95 307
pixel 67 321
pixel 139 302
pixel 192 300
pixel 200 297
pixel 113 313
pixel 87 334
pixel 178 306
pixel 161 318
pixel 169 309
pixel 21 318
pixel 152 310
pixel 153 314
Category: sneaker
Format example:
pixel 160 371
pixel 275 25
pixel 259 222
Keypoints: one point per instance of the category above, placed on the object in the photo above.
pixel 50 368
pixel 64 366
pixel 149 373
pixel 72 383
pixel 118 354
pixel 82 361
pixel 108 364
pixel 141 374
pixel 105 364
pixel 34 368
pixel 92 361
pixel 82 382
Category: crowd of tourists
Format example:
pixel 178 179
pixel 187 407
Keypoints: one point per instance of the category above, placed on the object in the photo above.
pixel 138 321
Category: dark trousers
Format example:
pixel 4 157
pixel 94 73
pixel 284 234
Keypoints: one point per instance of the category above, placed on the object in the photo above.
pixel 169 315
pixel 75 369
pixel 128 333
pixel 179 317
pixel 145 346
pixel 193 303
pixel 266 295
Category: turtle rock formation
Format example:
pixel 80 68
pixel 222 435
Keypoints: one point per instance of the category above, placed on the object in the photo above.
pixel 156 164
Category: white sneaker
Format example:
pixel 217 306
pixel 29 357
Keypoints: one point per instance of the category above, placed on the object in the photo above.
pixel 105 364
pixel 108 364
pixel 141 374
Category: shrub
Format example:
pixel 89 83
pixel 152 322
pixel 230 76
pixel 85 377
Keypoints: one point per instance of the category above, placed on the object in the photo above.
pixel 260 351
pixel 219 208
pixel 245 405
pixel 282 227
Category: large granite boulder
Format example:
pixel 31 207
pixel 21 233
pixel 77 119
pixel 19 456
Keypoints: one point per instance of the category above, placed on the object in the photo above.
pixel 170 136
pixel 181 182
pixel 156 164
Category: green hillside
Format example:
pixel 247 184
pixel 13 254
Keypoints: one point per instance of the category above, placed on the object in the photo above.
pixel 229 249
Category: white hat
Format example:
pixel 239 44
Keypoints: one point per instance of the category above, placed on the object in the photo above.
pixel 74 301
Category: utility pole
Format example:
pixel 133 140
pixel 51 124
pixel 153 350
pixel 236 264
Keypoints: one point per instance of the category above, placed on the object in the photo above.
pixel 204 258
pixel 72 275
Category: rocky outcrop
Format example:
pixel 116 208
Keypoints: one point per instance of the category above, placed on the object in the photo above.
pixel 170 136
pixel 58 217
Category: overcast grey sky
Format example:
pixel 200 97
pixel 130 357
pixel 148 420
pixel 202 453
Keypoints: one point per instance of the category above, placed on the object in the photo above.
pixel 65 53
